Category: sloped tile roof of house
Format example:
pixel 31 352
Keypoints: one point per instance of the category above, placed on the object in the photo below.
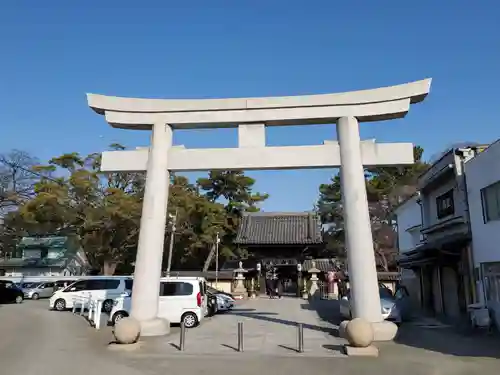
pixel 275 228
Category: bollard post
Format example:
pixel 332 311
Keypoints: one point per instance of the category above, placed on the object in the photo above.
pixel 300 338
pixel 182 342
pixel 82 305
pixel 97 314
pixel 91 311
pixel 240 336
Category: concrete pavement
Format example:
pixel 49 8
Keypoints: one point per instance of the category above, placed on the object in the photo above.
pixel 35 341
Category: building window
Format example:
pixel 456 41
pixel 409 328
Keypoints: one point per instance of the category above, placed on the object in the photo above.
pixel 444 204
pixel 490 197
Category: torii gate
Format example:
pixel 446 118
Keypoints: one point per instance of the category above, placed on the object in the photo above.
pixel 251 116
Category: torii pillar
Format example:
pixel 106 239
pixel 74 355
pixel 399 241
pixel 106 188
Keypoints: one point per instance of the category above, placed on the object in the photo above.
pixel 251 116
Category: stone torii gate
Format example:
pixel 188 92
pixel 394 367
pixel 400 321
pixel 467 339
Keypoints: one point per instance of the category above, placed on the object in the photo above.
pixel 251 116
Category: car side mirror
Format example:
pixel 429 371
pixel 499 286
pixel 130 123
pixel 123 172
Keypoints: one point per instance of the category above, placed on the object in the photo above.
pixel 73 289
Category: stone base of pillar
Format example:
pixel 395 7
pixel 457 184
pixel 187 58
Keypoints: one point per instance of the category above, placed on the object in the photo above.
pixel 369 351
pixel 155 327
pixel 384 331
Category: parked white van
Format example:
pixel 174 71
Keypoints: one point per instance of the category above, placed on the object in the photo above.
pixel 182 299
pixel 98 287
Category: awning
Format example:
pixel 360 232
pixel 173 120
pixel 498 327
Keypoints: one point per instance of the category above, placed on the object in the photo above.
pixel 430 252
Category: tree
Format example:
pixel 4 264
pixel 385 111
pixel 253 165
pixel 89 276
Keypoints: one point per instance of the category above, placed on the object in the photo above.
pixel 102 208
pixel 16 186
pixel 197 222
pixel 16 179
pixel 234 187
pixel 235 191
pixel 386 187
pixel 71 195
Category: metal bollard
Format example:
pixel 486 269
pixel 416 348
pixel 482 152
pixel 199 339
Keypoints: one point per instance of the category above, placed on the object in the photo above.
pixel 183 337
pixel 240 336
pixel 300 338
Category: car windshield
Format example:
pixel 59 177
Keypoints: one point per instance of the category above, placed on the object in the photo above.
pixel 212 290
pixel 386 293
pixel 10 284
pixel 68 288
pixel 30 285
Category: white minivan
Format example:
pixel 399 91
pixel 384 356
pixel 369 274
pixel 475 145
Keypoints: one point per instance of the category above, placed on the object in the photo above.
pixel 182 299
pixel 98 287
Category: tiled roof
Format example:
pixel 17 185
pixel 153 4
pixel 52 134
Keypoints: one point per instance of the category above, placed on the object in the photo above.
pixel 324 265
pixel 270 228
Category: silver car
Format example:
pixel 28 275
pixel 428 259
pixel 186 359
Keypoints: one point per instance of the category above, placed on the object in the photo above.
pixel 38 290
pixel 391 309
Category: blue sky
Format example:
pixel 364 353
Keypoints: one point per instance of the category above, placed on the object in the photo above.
pixel 53 52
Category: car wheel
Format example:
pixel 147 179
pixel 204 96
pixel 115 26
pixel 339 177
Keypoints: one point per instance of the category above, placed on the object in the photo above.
pixel 19 299
pixel 119 315
pixel 35 296
pixel 107 306
pixel 190 320
pixel 60 305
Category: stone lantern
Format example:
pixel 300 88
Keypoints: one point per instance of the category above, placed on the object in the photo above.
pixel 240 290
pixel 314 279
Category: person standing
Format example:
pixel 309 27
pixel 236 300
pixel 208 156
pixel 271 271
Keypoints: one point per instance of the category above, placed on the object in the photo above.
pixel 276 282
pixel 341 284
pixel 269 280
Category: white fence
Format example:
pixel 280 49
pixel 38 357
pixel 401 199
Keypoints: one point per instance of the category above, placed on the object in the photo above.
pixel 93 306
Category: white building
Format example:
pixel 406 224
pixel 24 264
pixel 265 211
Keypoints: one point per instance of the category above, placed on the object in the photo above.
pixel 483 191
pixel 409 220
pixel 409 224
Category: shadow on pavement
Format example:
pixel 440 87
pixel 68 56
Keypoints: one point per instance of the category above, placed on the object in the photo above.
pixel 264 316
pixel 447 341
pixel 440 340
pixel 327 310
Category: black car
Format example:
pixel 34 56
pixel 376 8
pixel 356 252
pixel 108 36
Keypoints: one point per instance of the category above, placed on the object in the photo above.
pixel 216 291
pixel 10 293
pixel 211 304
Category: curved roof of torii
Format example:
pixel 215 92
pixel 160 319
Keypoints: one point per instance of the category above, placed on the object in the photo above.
pixel 367 105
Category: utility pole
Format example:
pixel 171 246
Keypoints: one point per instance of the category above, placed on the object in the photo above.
pixel 171 244
pixel 217 241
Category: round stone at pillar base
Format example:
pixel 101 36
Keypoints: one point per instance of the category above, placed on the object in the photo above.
pixel 359 333
pixel 155 327
pixel 342 327
pixel 384 331
pixel 127 331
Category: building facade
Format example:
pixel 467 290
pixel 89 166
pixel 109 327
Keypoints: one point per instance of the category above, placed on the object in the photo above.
pixel 409 226
pixel 483 191
pixel 46 256
pixel 442 259
pixel 283 239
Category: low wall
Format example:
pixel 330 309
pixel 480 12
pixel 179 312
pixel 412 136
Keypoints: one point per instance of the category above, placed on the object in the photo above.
pixel 222 285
